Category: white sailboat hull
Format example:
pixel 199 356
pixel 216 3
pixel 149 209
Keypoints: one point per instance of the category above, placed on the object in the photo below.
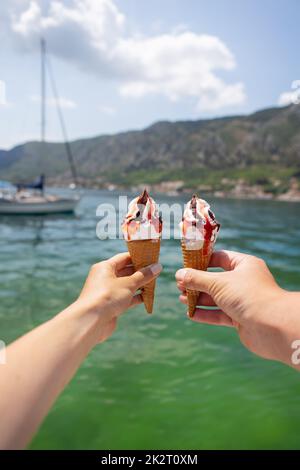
pixel 42 207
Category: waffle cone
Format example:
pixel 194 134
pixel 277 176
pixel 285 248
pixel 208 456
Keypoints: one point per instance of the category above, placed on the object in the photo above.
pixel 196 259
pixel 143 253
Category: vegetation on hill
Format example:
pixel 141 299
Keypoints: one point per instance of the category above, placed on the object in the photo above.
pixel 260 149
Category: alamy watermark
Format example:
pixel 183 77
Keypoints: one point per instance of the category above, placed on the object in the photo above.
pixel 112 216
pixel 295 357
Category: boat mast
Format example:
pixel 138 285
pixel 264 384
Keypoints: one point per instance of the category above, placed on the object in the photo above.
pixel 47 63
pixel 43 90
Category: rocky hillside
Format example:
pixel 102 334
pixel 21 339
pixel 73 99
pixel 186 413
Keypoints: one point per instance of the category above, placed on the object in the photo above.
pixel 263 144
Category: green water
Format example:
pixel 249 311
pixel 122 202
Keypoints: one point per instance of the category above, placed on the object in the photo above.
pixel 160 381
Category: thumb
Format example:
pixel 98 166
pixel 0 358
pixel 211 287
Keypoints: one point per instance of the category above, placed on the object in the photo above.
pixel 144 275
pixel 195 279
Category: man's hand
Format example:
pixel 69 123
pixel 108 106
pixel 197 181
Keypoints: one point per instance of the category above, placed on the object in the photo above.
pixel 245 296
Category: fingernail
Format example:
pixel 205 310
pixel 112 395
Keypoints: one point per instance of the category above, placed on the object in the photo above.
pixel 180 275
pixel 156 268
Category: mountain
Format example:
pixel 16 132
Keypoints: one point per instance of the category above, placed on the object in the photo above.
pixel 258 147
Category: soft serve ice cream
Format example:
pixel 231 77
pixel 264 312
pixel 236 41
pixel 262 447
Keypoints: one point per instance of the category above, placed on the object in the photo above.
pixel 199 230
pixel 198 227
pixel 142 231
pixel 142 221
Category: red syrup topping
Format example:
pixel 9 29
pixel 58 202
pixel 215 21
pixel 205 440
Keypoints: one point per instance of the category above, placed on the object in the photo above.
pixel 143 198
pixel 208 232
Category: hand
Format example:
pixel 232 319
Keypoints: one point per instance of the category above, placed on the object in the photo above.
pixel 111 288
pixel 245 296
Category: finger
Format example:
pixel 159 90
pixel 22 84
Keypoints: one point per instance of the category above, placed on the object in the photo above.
pixel 136 300
pixel 181 286
pixel 228 260
pixel 194 279
pixel 127 271
pixel 144 275
pixel 204 300
pixel 212 317
pixel 119 261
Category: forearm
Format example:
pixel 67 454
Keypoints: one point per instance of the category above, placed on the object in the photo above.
pixel 39 365
pixel 284 315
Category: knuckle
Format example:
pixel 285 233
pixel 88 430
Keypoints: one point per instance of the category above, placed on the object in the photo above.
pixel 189 278
pixel 255 259
pixel 249 258
pixel 139 276
pixel 261 262
pixel 107 296
pixel 136 280
pixel 258 262
pixel 110 299
pixel 147 273
pixel 96 266
pixel 93 268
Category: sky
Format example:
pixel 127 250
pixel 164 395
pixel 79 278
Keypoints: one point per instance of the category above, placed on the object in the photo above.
pixel 125 64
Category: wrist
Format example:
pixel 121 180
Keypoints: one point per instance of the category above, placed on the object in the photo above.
pixel 85 323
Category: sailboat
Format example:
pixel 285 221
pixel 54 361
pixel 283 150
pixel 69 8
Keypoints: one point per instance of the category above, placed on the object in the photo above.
pixel 31 198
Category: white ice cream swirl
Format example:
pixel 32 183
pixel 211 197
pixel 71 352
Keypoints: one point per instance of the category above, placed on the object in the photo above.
pixel 198 225
pixel 142 221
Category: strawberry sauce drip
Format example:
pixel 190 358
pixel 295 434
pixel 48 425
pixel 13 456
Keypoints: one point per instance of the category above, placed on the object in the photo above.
pixel 208 232
pixel 194 205
pixel 143 198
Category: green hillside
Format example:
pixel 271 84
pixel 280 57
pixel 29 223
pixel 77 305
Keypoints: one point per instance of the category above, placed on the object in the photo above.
pixel 262 148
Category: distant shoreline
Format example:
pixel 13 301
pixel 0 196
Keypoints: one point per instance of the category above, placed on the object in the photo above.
pixel 240 192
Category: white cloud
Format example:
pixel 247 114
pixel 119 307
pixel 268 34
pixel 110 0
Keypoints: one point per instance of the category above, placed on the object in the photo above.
pixel 221 97
pixel 286 98
pixel 180 66
pixel 290 97
pixel 63 102
pixel 93 34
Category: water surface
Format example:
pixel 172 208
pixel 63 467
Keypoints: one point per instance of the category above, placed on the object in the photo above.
pixel 160 381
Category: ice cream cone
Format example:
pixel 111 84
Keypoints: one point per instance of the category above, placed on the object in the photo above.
pixel 196 259
pixel 143 253
pixel 142 231
pixel 199 230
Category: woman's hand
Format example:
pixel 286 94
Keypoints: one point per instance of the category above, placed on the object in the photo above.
pixel 111 288
pixel 245 296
